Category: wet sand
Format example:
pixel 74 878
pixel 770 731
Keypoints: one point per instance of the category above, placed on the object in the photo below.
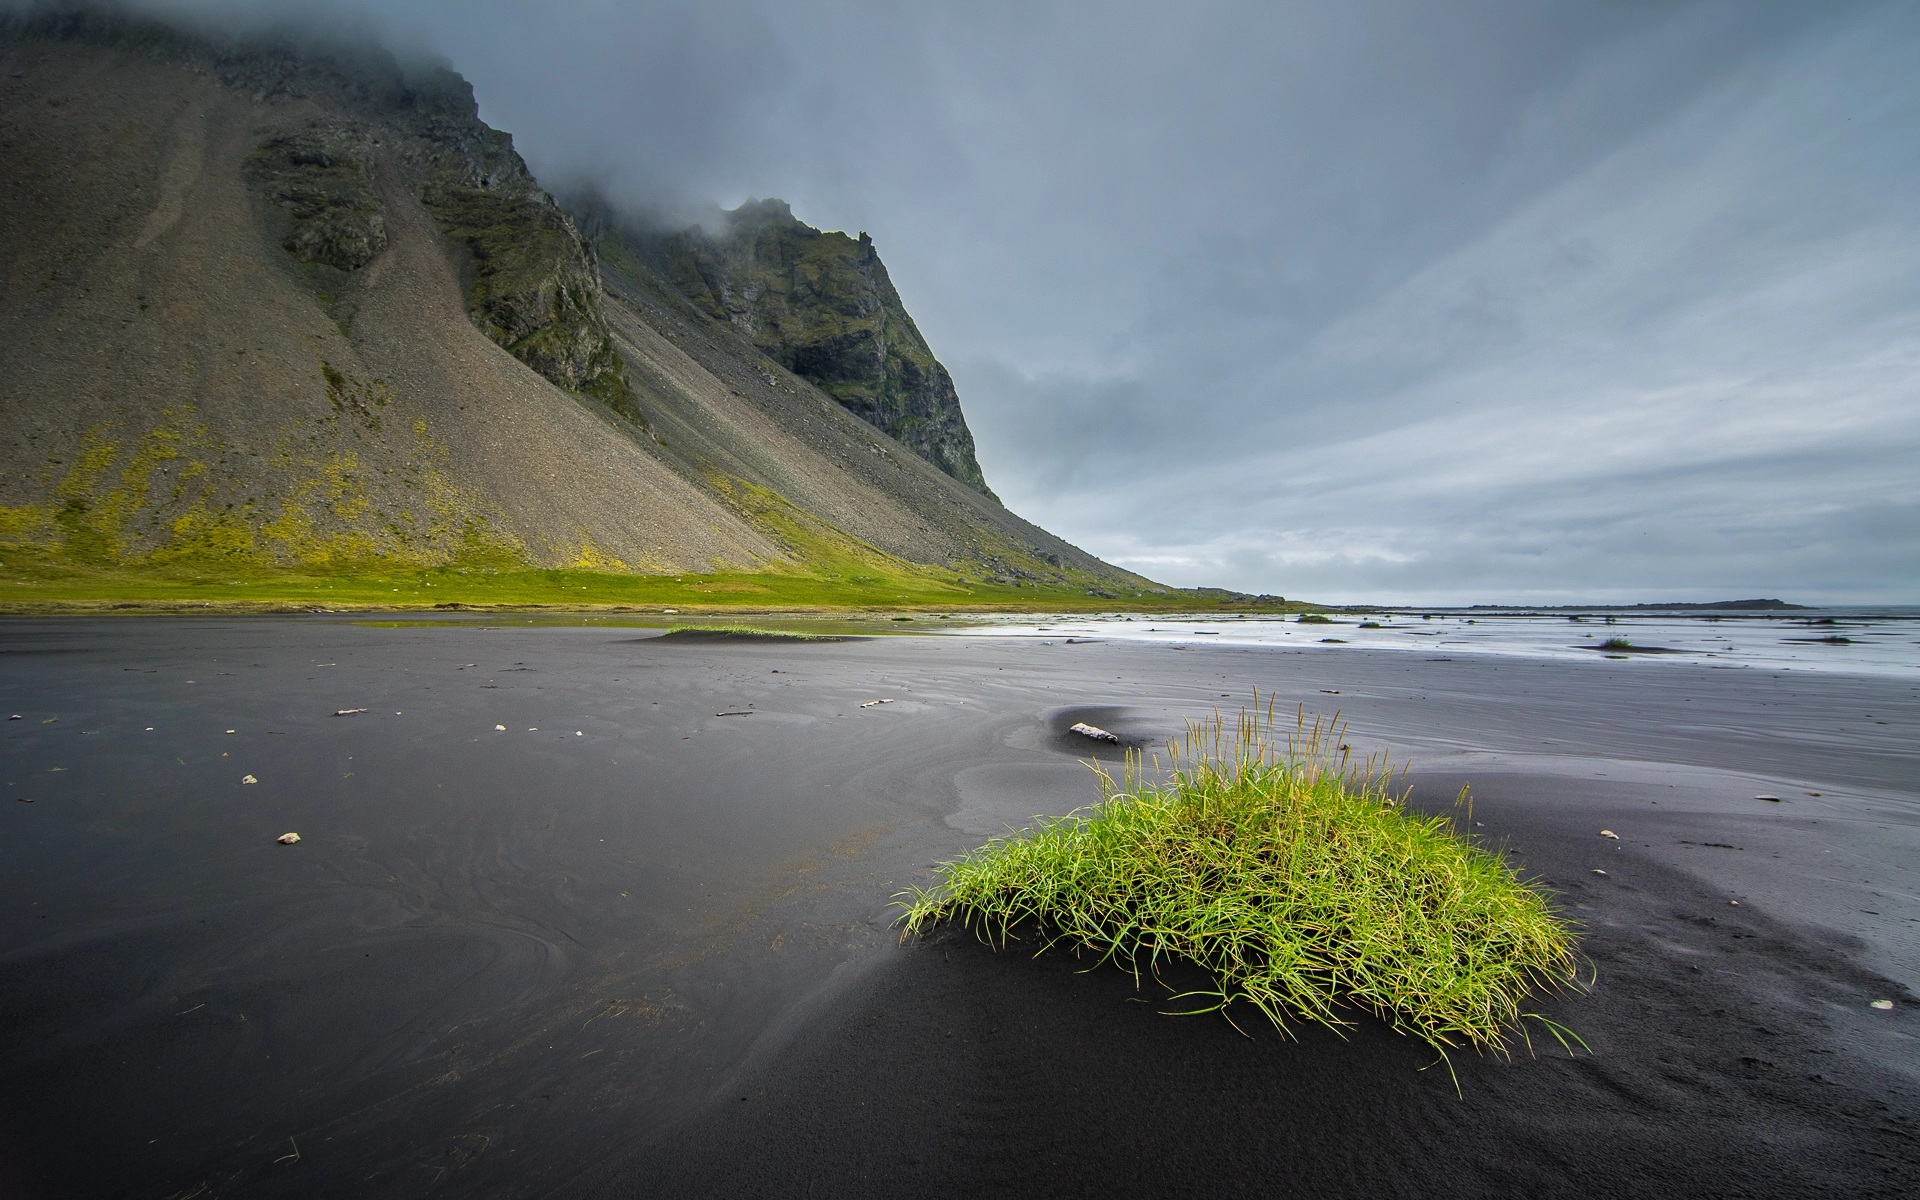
pixel 629 947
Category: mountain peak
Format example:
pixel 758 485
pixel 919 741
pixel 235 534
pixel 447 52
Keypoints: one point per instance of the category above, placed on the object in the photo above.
pixel 821 305
pixel 768 211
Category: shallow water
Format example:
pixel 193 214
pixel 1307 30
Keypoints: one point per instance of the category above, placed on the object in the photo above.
pixel 1877 641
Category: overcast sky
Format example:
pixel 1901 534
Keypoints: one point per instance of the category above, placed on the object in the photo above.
pixel 1379 300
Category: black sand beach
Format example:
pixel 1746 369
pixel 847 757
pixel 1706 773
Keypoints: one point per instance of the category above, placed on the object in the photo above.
pixel 629 946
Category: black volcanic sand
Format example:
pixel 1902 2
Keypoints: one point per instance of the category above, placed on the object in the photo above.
pixel 629 947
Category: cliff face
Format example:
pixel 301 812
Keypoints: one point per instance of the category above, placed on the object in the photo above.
pixel 531 282
pixel 534 287
pixel 820 305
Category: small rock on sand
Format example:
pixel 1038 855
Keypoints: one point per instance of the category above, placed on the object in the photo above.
pixel 1775 799
pixel 248 779
pixel 1608 833
pixel 1095 732
pixel 1881 1004
pixel 287 839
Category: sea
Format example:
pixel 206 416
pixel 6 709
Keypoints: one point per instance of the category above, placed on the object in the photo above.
pixel 1863 640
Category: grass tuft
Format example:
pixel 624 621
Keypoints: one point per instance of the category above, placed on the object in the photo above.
pixel 1620 645
pixel 714 633
pixel 1295 877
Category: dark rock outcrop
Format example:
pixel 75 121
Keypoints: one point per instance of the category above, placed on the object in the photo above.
pixel 322 174
pixel 533 285
pixel 820 305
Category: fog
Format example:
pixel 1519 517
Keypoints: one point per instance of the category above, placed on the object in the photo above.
pixel 1386 301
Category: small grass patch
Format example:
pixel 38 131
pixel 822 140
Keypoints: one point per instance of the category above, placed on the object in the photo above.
pixel 749 633
pixel 1295 878
pixel 1314 619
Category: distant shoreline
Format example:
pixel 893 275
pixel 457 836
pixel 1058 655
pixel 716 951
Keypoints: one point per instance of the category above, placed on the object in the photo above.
pixel 1705 606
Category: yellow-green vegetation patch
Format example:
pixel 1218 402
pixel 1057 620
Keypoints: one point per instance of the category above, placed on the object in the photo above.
pixel 179 501
pixel 823 548
pixel 1300 883
pixel 831 554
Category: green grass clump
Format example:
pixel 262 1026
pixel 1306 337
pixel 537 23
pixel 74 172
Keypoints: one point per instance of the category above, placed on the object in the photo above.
pixel 1300 882
pixel 747 633
pixel 1620 645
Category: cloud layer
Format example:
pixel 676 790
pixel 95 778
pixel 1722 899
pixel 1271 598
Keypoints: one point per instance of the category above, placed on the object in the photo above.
pixel 1385 300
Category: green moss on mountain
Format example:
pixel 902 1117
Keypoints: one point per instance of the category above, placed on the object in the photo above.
pixel 168 499
pixel 530 287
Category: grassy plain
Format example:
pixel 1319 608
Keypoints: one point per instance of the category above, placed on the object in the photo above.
pixel 33 585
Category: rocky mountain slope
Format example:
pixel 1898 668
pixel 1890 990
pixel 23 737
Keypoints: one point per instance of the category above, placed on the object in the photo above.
pixel 818 304
pixel 278 306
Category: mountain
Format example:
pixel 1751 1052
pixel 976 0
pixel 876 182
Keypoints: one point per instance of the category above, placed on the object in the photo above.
pixel 290 305
pixel 818 304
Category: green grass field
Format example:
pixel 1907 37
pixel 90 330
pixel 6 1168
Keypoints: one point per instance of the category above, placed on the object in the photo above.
pixel 29 585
